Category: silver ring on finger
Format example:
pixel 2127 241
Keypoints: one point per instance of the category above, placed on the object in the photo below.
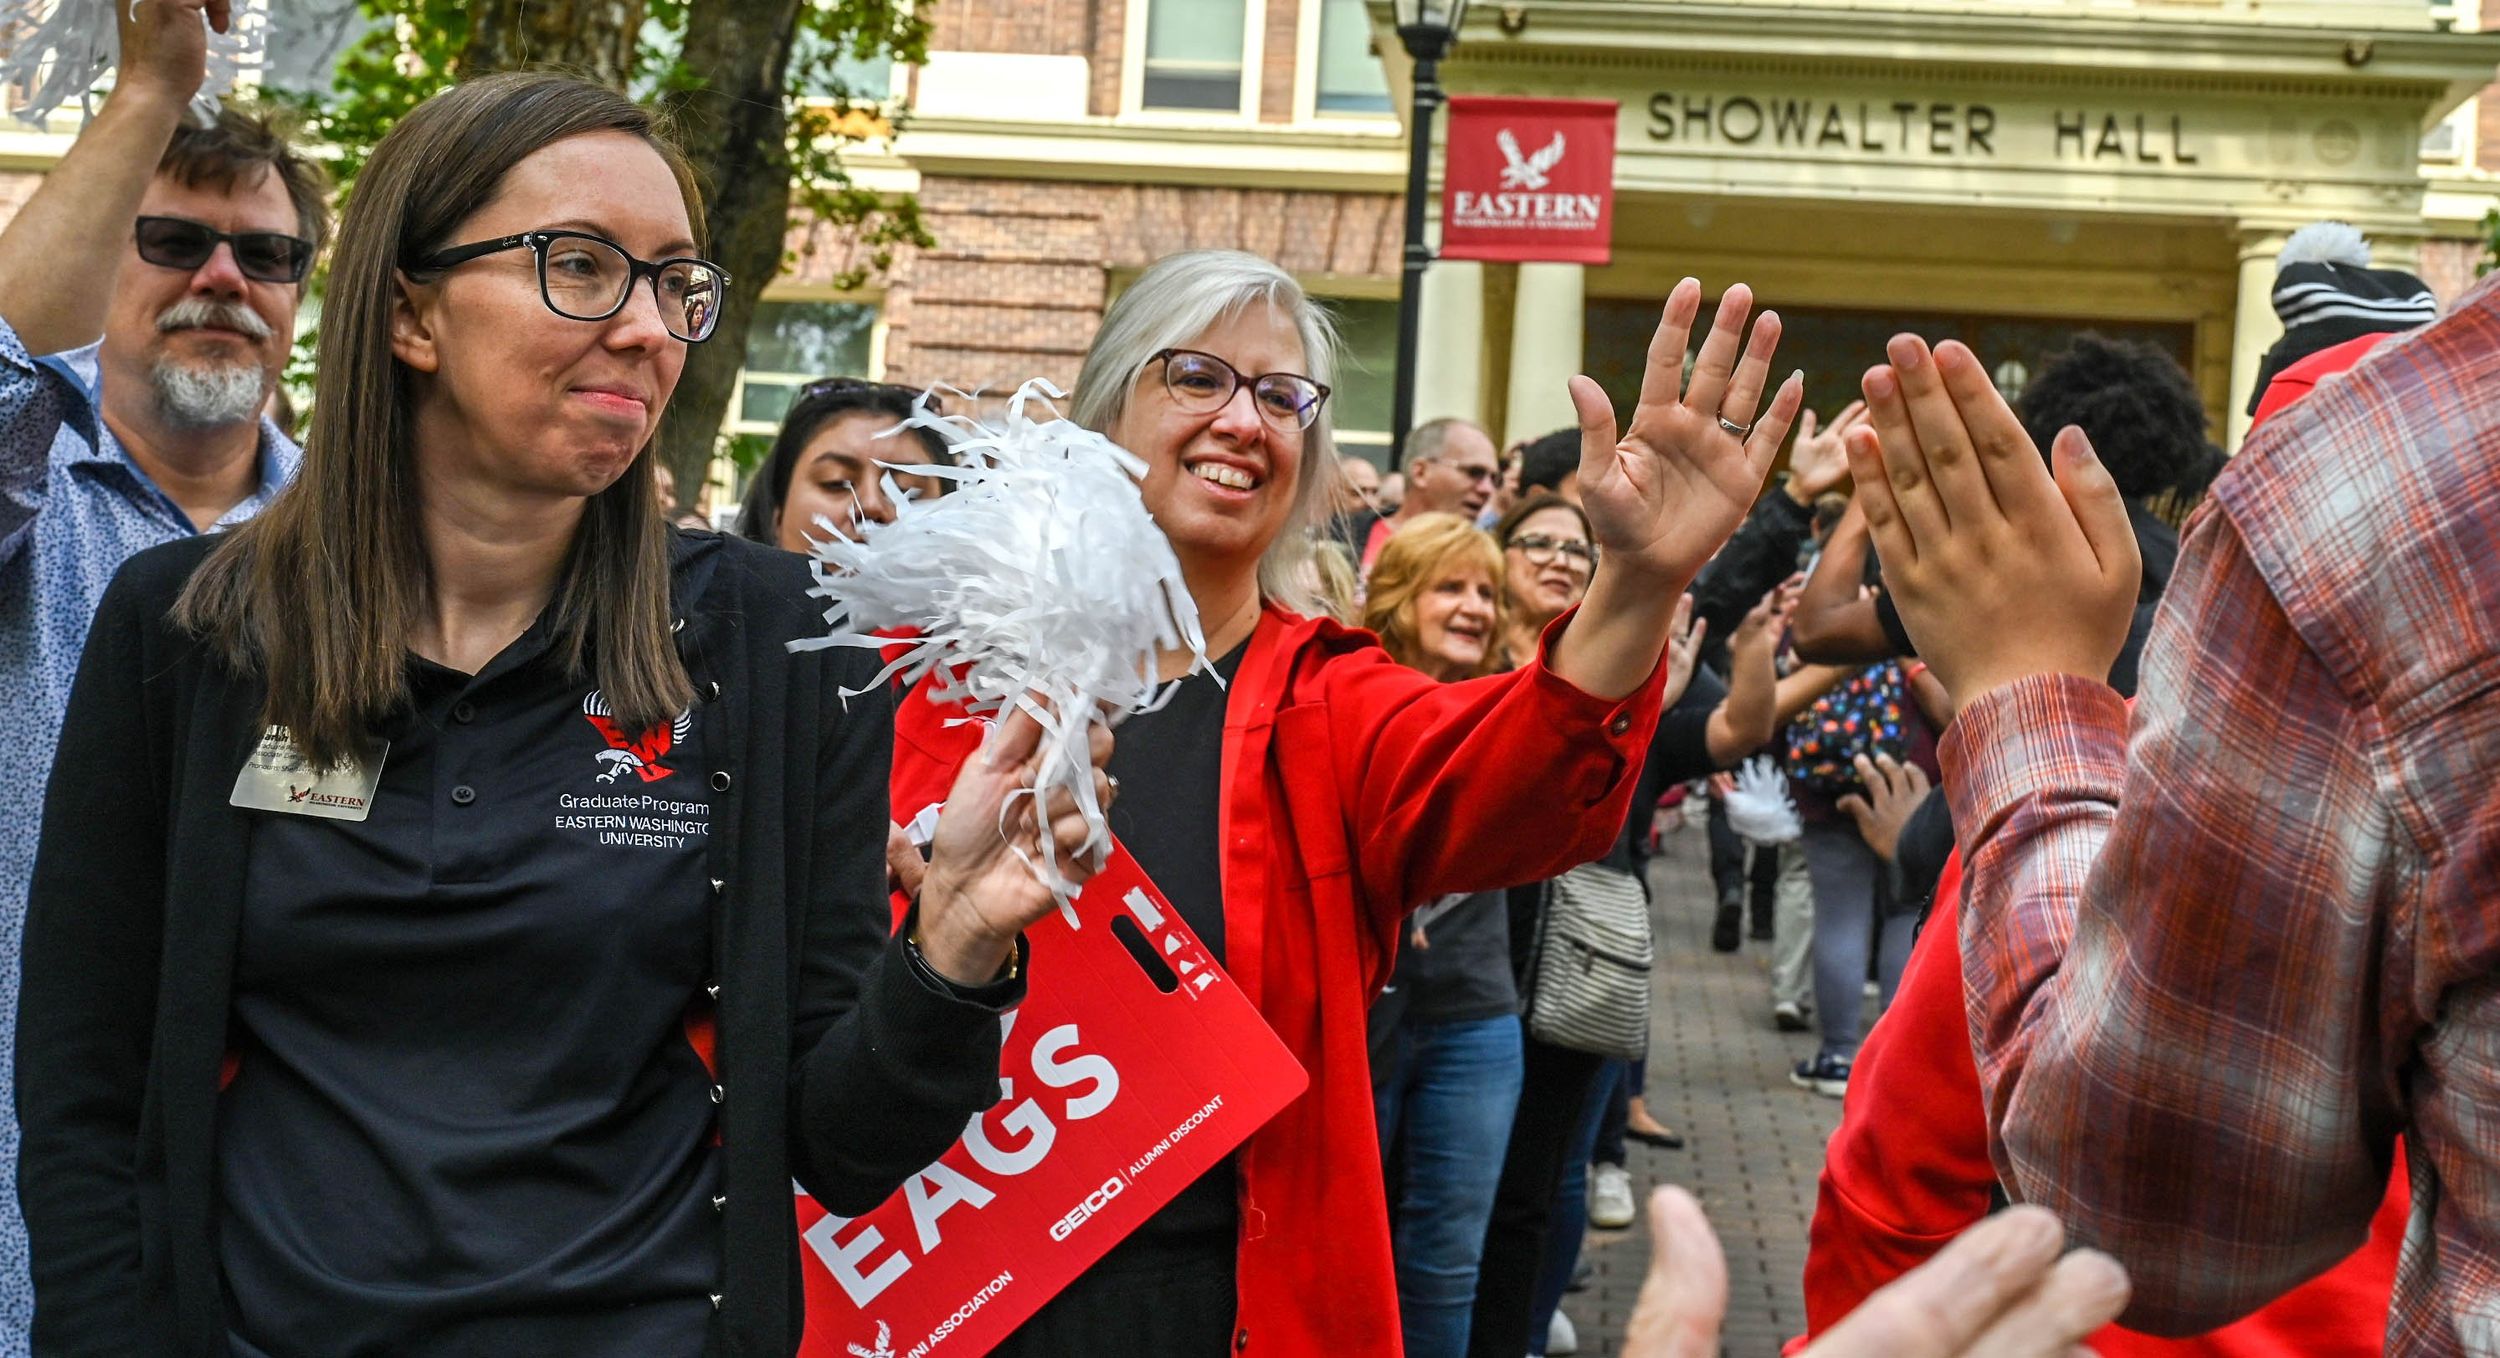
pixel 1741 431
pixel 1111 792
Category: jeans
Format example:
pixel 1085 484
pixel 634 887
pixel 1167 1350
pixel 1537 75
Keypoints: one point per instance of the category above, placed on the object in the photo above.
pixel 1445 1099
pixel 1847 927
pixel 1569 1225
pixel 1552 1106
pixel 1615 1119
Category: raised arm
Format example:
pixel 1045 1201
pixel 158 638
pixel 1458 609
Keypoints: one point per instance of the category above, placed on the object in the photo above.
pixel 1747 718
pixel 61 251
pixel 2137 919
pixel 1663 494
pixel 1836 620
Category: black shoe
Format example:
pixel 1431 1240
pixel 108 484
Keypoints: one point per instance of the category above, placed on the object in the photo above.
pixel 1727 933
pixel 1761 931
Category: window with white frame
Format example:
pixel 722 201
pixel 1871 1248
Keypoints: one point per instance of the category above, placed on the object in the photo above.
pixel 1195 55
pixel 791 344
pixel 1349 79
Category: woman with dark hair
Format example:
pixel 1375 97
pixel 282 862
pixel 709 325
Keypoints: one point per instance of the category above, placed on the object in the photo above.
pixel 459 915
pixel 824 473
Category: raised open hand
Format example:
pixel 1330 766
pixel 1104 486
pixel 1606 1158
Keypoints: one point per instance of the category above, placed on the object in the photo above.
pixel 1762 623
pixel 1684 637
pixel 1663 494
pixel 2000 569
pixel 1819 463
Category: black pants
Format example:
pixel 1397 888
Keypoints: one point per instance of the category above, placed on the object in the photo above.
pixel 1550 1103
pixel 1727 852
pixel 1146 1297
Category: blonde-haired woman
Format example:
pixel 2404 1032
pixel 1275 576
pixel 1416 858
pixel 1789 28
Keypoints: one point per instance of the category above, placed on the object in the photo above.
pixel 1445 1032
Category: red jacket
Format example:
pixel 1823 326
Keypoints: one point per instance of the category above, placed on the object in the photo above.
pixel 1909 1170
pixel 1354 790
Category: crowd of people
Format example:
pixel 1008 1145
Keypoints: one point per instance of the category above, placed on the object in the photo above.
pixel 336 1030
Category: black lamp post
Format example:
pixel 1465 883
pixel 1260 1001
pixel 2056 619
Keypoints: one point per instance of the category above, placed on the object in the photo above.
pixel 1428 29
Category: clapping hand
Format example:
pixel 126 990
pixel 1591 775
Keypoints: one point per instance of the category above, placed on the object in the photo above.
pixel 2001 568
pixel 2000 1291
pixel 1663 494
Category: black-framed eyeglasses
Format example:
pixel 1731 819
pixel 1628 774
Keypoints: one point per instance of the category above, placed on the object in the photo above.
pixel 263 256
pixel 1200 383
pixel 1542 550
pixel 583 277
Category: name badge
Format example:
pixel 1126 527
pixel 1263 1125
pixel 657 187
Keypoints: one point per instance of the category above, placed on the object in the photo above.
pixel 279 778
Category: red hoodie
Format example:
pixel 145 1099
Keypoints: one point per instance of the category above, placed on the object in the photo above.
pixel 1355 789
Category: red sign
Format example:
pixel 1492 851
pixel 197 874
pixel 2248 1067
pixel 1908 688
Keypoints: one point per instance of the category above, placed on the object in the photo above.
pixel 1529 179
pixel 1133 1066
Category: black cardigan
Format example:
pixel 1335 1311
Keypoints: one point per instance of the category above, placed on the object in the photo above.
pixel 843 1066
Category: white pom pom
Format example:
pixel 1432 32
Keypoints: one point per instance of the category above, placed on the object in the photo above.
pixel 1759 809
pixel 2326 243
pixel 1039 581
pixel 62 48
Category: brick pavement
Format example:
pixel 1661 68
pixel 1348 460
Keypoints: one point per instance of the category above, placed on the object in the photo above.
pixel 1718 1072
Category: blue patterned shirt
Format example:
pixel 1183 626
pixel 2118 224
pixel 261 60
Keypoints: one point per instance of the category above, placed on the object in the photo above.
pixel 73 507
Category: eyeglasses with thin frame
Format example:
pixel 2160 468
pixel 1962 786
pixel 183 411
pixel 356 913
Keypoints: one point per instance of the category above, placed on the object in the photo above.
pixel 1542 550
pixel 583 277
pixel 263 256
pixel 1200 383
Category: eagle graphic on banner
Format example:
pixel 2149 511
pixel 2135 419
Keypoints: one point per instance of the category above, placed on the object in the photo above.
pixel 1527 172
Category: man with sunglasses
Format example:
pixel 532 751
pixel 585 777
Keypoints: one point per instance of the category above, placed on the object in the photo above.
pixel 148 293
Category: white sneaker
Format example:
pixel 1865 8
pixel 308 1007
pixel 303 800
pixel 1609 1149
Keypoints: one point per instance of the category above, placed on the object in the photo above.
pixel 1560 1337
pixel 1610 1198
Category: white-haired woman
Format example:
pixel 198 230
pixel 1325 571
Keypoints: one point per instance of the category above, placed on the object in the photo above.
pixel 1297 811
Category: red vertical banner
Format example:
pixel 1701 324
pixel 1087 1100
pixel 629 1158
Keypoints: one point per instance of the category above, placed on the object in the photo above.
pixel 1529 179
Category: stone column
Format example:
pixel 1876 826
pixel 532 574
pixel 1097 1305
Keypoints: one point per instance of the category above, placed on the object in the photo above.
pixel 1449 342
pixel 1545 332
pixel 2255 327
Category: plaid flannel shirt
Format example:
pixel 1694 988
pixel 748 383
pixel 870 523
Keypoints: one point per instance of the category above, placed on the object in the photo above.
pixel 2214 972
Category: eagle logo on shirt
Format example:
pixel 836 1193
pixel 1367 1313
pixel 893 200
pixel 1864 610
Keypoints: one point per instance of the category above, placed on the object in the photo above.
pixel 640 754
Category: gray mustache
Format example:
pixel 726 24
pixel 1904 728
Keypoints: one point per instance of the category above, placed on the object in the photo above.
pixel 192 313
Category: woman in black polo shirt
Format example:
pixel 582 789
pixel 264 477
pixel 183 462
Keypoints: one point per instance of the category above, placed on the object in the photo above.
pixel 492 1005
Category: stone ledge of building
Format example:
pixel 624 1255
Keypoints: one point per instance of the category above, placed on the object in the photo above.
pixel 2197 46
pixel 1140 151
